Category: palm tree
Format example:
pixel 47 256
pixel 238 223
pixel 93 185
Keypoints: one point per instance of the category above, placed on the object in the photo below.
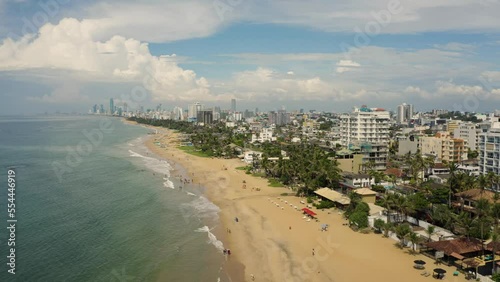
pixel 495 240
pixel 483 210
pixel 466 222
pixel 414 238
pixel 388 226
pixel 399 204
pixel 387 202
pixel 452 181
pixel 431 230
pixel 402 231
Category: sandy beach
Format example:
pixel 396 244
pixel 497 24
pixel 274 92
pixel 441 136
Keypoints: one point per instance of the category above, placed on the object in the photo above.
pixel 275 243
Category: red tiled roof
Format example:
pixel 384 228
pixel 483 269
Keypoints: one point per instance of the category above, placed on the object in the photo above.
pixel 394 171
pixel 458 246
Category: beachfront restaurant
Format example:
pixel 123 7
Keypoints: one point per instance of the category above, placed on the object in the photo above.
pixel 340 200
pixel 468 254
pixel 367 194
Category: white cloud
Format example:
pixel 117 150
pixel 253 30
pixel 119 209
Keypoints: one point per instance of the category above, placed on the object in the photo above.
pixel 346 65
pixel 415 90
pixel 455 46
pixel 491 76
pixel 264 83
pixel 449 88
pixel 156 21
pixel 69 46
pixel 406 16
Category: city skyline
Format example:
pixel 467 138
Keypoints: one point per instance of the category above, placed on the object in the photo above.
pixel 382 52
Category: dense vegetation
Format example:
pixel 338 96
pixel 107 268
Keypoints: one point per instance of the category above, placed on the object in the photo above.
pixel 305 168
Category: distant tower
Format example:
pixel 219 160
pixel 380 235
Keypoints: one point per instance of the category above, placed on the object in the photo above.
pixel 233 105
pixel 194 109
pixel 111 106
pixel 404 113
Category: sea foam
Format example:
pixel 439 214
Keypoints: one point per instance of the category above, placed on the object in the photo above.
pixel 156 165
pixel 204 209
pixel 211 238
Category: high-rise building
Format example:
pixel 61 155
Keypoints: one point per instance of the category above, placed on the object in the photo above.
pixel 111 106
pixel 279 118
pixel 233 105
pixel 367 130
pixel 177 114
pixel 365 125
pixel 489 151
pixel 94 109
pixel 469 133
pixel 205 117
pixel 101 110
pixel 404 113
pixel 194 109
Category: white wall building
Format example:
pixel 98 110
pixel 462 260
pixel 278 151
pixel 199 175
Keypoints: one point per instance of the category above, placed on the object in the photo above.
pixel 365 125
pixel 468 132
pixel 266 134
pixel 248 156
pixel 489 150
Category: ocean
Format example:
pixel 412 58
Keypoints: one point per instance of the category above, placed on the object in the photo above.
pixel 93 204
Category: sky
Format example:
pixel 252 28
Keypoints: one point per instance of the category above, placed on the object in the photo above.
pixel 327 55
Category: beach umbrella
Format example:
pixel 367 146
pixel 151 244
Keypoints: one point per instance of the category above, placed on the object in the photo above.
pixel 419 261
pixel 439 270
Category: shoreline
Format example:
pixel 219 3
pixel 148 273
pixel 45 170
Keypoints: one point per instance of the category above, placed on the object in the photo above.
pixel 275 243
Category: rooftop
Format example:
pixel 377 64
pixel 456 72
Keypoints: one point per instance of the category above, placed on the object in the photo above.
pixel 458 246
pixel 333 196
pixel 477 194
pixel 365 191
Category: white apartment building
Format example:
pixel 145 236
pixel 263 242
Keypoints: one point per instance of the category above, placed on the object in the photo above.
pixel 468 132
pixel 365 125
pixel 266 134
pixel 489 150
pixel 367 130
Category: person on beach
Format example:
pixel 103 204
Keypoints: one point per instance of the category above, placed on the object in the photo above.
pixel 313 251
pixel 253 277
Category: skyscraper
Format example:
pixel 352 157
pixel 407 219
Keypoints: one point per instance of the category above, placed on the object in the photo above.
pixel 194 109
pixel 404 113
pixel 111 106
pixel 233 105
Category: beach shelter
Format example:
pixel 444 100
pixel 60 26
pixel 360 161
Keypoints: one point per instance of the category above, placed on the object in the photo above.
pixel 309 212
pixel 439 272
pixel 419 264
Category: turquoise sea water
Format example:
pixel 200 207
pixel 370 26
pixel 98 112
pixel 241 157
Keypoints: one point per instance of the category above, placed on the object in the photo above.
pixel 102 211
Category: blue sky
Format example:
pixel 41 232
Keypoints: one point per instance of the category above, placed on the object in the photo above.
pixel 325 55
